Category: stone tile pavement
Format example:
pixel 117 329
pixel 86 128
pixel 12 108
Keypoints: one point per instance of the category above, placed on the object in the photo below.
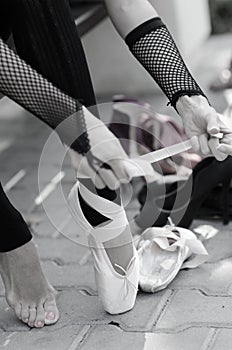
pixel 193 313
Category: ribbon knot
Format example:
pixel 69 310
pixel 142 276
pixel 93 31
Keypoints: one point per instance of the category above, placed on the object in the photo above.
pixel 127 282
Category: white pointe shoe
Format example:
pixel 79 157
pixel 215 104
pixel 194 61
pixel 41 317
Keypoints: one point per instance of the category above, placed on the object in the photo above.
pixel 163 252
pixel 116 291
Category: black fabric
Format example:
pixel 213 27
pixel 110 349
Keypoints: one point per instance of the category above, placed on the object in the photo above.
pixel 142 30
pixel 153 46
pixel 25 86
pixel 192 194
pixel 52 107
pixel 5 20
pixel 46 38
pixel 14 230
pixel 60 58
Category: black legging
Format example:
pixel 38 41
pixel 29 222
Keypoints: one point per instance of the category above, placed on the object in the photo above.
pixel 46 38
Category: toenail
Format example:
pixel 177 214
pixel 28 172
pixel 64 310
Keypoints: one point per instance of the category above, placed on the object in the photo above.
pixel 39 324
pixel 50 316
pixel 31 324
pixel 26 320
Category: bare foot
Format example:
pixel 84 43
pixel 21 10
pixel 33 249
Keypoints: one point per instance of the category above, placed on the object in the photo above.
pixel 28 292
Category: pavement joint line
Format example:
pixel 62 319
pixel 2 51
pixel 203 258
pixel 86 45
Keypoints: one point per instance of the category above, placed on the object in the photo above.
pixel 7 341
pixel 57 261
pixel 210 339
pixel 61 263
pixel 11 331
pixel 186 326
pixel 83 334
pixel 51 186
pixel 83 260
pixel 85 292
pixel 14 329
pixel 218 295
pixel 57 232
pixel 173 331
pixel 89 291
pixel 163 305
pixel 14 180
pixel 226 257
pixel 205 291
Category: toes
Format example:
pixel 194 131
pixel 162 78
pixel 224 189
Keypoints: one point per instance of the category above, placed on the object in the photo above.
pixel 17 310
pixel 40 317
pixel 25 313
pixel 51 312
pixel 32 316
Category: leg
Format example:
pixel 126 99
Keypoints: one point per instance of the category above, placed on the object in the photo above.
pixel 5 21
pixel 45 37
pixel 27 290
pixel 61 59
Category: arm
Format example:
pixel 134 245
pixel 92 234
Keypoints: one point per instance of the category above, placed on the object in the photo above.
pixel 152 44
pixel 25 86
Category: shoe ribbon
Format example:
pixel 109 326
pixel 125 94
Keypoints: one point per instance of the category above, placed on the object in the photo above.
pixel 127 282
pixel 142 165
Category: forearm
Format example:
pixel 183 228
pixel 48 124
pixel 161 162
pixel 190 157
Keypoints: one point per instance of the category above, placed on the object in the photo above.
pixel 25 86
pixel 152 44
pixel 126 15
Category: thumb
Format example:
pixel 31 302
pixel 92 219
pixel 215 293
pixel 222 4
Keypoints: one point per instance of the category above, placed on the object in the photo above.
pixel 213 125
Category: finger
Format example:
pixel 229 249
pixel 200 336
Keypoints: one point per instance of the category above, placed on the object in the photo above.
pixel 227 139
pixel 138 167
pixel 96 179
pixel 99 184
pixel 84 169
pixel 203 141
pixel 227 149
pixel 195 144
pixel 214 147
pixel 213 126
pixel 109 178
pixel 119 170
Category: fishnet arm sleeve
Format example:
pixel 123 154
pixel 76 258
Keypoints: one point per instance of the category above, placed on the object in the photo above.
pixel 29 89
pixel 153 46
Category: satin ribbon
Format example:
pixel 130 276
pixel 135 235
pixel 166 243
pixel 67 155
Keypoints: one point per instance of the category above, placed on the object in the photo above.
pixel 141 165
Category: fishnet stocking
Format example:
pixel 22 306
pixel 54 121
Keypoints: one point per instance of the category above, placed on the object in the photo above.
pixel 153 46
pixel 29 89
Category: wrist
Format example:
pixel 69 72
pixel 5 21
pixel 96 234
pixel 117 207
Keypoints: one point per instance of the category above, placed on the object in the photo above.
pixel 187 105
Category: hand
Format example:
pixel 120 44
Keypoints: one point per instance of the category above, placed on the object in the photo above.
pixel 107 148
pixel 201 122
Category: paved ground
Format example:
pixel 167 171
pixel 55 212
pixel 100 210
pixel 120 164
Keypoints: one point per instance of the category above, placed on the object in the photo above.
pixel 194 312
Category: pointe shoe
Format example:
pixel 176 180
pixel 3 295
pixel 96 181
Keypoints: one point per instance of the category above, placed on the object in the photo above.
pixel 116 291
pixel 163 252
